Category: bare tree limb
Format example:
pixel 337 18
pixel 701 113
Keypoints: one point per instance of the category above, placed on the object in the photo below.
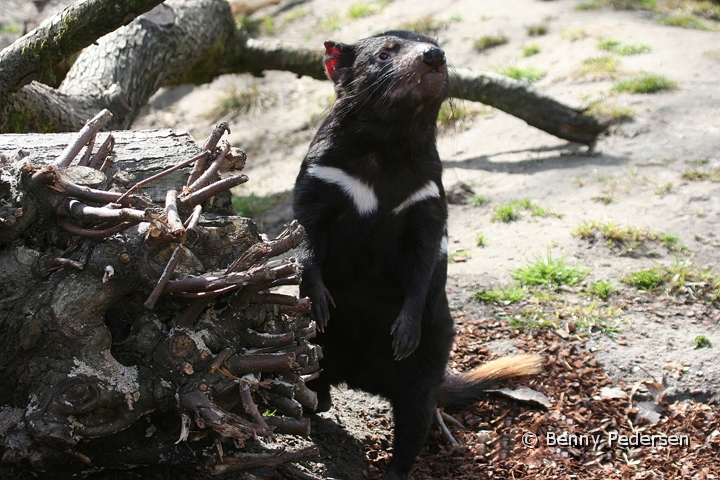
pixel 68 32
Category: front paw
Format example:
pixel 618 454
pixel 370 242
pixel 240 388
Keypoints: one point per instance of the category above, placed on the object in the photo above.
pixel 406 335
pixel 320 301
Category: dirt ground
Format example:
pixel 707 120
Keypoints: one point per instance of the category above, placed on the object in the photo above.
pixel 639 175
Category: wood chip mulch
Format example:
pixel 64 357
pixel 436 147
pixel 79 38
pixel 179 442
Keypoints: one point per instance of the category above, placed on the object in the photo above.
pixel 601 430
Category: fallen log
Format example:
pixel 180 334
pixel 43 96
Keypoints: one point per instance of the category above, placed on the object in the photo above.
pixel 103 315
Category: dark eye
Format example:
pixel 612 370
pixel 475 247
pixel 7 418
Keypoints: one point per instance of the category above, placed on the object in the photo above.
pixel 384 56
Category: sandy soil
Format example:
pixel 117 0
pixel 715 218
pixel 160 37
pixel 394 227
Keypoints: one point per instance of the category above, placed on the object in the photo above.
pixel 638 165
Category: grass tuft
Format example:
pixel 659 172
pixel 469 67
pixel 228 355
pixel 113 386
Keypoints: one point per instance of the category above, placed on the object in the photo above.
pixel 530 50
pixel 618 4
pixel 550 272
pixel 684 21
pixel 623 48
pixel 701 341
pixel 454 114
pixel 501 294
pixel 537 29
pixel 631 241
pixel 699 173
pixel 603 66
pixel 611 113
pixel 648 279
pixel 513 210
pixel 523 74
pixel 428 25
pixel 489 41
pixel 480 201
pixel 646 83
pixel 603 289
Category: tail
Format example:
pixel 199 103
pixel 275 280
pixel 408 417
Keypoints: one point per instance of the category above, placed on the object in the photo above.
pixel 459 391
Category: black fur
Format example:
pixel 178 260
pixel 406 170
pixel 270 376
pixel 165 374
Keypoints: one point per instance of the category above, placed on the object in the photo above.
pixel 377 280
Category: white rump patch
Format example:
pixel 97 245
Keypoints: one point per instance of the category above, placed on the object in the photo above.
pixel 443 247
pixel 362 194
pixel 430 190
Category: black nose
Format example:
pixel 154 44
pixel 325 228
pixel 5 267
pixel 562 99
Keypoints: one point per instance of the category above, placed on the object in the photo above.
pixel 434 56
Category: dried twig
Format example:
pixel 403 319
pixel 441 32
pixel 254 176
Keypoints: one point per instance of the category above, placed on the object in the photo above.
pixel 91 128
pixel 165 277
pixel 212 170
pixel 254 276
pixel 85 159
pixel 103 151
pixel 86 232
pixel 196 198
pixel 177 229
pixel 288 239
pixel 209 145
pixel 77 209
pixel 265 460
pixel 443 429
pixel 249 405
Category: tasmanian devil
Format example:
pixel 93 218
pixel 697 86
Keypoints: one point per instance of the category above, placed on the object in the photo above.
pixel 370 196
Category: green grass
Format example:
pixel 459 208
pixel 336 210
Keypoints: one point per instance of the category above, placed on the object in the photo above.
pixel 630 240
pixel 365 9
pixel 610 112
pixel 618 4
pixel 506 213
pixel 706 9
pixel 647 279
pixel 623 48
pixel 331 23
pixel 593 318
pixel 489 41
pixel 701 341
pixel 550 272
pixel 295 14
pixel 532 319
pixel 698 173
pixel 664 189
pixel 428 25
pixel 684 21
pixel 480 240
pixel 11 28
pixel 646 83
pixel 603 66
pixel 602 289
pixel 454 113
pixel 575 34
pixel 456 256
pixel 513 210
pixel 523 74
pixel 239 98
pixel 537 29
pixel 530 50
pixel 501 294
pixel 480 201
pixel 251 205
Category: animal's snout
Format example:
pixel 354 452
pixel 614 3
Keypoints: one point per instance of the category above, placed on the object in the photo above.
pixel 434 56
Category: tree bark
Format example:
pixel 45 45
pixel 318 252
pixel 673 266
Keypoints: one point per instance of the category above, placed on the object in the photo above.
pixel 75 28
pixel 195 41
pixel 83 360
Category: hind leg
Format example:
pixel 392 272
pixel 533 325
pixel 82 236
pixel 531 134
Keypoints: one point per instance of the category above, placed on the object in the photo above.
pixel 321 386
pixel 413 411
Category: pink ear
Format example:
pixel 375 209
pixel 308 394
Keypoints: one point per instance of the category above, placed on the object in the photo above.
pixel 332 56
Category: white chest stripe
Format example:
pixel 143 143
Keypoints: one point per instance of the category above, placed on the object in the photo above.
pixel 362 194
pixel 430 190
